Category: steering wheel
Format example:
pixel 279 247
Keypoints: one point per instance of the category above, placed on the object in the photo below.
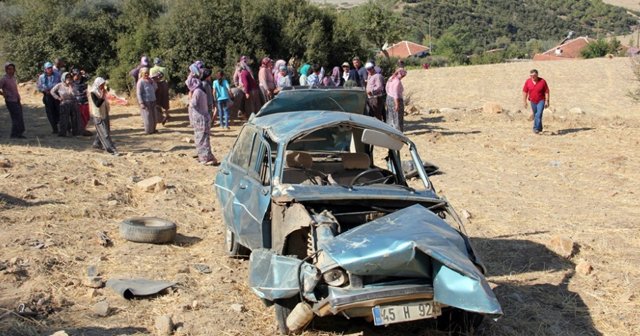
pixel 384 179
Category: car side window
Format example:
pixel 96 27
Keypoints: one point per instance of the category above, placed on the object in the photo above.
pixel 260 158
pixel 242 150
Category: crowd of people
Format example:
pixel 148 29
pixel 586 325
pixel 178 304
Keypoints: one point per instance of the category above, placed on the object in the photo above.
pixel 70 102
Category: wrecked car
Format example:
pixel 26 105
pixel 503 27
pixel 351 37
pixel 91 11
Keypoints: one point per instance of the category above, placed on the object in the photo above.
pixel 319 200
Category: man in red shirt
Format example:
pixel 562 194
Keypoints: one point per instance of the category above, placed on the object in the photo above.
pixel 537 92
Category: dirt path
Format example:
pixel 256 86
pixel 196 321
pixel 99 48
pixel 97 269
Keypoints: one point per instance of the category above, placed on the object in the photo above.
pixel 579 179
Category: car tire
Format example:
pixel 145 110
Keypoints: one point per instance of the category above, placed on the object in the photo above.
pixel 233 248
pixel 283 308
pixel 152 230
pixel 459 322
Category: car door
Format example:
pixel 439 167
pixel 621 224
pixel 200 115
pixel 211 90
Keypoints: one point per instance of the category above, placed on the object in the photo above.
pixel 253 197
pixel 230 173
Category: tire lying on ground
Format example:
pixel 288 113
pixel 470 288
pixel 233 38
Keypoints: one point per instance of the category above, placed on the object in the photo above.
pixel 148 230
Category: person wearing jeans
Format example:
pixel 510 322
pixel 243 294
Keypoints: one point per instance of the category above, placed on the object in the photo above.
pixel 536 91
pixel 223 97
pixel 9 89
pixel 47 80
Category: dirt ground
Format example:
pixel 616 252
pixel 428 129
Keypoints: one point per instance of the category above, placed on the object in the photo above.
pixel 579 180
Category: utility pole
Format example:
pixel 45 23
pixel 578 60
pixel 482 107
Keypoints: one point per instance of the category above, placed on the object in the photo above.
pixel 430 38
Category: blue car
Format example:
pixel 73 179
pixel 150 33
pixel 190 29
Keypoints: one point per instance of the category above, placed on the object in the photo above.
pixel 314 192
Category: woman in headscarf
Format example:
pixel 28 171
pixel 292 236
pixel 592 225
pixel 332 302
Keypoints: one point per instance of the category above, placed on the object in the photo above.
pixel 146 94
pixel 304 72
pixel 335 78
pixel 265 78
pixel 251 92
pixel 201 121
pixel 276 69
pixel 395 102
pixel 160 74
pixel 69 112
pixel 99 106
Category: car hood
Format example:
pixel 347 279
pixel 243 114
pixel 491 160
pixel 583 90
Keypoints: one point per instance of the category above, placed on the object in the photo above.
pixel 412 242
pixel 302 193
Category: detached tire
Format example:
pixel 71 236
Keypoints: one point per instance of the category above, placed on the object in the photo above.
pixel 148 230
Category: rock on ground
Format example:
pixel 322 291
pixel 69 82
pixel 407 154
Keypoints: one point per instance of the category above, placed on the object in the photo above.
pixel 164 325
pixel 492 108
pixel 152 184
pixel 562 245
pixel 101 308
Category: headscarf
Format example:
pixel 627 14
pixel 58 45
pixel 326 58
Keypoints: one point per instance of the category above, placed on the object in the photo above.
pixel 157 61
pixel 195 70
pixel 206 73
pixel 96 85
pixel 193 83
pixel 64 76
pixel 378 69
pixel 335 75
pixel 278 64
pixel 400 72
pixel 144 61
pixel 304 69
pixel 265 62
pixel 143 71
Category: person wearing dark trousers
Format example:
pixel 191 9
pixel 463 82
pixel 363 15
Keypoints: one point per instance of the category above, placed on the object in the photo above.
pixel 66 94
pixel 47 80
pixel 100 113
pixel 9 89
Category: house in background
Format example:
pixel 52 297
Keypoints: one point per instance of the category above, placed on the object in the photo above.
pixel 568 49
pixel 406 49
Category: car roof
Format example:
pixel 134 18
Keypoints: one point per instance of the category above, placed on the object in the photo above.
pixel 285 126
pixel 304 98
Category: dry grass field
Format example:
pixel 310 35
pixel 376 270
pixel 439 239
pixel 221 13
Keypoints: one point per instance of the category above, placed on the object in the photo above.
pixel 580 179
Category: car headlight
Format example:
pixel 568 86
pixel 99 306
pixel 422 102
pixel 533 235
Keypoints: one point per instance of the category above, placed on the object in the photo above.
pixel 336 277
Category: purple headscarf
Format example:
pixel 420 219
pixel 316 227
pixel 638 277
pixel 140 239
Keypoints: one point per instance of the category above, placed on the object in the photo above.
pixel 144 60
pixel 193 83
pixel 335 76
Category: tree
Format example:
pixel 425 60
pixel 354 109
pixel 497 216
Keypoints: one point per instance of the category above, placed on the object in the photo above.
pixel 379 24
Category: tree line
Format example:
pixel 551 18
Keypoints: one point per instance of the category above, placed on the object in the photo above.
pixel 108 37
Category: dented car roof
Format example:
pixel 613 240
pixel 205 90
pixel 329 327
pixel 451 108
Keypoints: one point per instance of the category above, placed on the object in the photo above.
pixel 285 126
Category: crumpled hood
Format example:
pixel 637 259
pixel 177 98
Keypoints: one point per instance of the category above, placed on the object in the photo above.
pixel 401 243
pixel 412 242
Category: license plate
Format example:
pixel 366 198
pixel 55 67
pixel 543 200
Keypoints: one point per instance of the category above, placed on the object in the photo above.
pixel 388 314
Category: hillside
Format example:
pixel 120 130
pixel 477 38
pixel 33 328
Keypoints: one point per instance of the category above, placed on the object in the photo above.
pixel 596 86
pixel 492 24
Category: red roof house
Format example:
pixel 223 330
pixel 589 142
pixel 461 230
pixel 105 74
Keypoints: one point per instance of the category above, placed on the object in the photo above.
pixel 406 49
pixel 568 49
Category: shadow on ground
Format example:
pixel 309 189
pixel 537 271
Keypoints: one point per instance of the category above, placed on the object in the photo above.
pixel 551 309
pixel 428 125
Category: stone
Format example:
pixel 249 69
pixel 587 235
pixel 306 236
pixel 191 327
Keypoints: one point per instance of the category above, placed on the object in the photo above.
pixel 492 108
pixel 466 214
pixel 238 308
pixel 101 308
pixel 152 184
pixel 576 110
pixel 112 202
pixel 94 282
pixel 446 110
pixel 584 268
pixel 562 245
pixel 188 140
pixel 60 333
pixel 96 183
pixel 5 163
pixel 164 325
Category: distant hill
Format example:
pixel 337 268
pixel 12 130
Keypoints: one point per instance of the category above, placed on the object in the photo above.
pixel 489 24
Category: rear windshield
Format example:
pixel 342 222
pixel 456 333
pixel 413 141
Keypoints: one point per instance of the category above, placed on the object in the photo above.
pixel 341 100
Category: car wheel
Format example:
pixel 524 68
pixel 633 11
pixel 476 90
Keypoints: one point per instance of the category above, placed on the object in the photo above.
pixel 233 248
pixel 459 322
pixel 148 230
pixel 283 308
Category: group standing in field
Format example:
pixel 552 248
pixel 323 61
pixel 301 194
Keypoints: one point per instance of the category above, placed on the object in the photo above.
pixel 70 102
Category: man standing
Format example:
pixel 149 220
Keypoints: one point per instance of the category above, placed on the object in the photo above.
pixel 9 89
pixel 375 92
pixel 362 72
pixel 537 92
pixel 46 82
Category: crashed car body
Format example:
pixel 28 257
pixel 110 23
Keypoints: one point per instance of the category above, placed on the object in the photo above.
pixel 319 200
